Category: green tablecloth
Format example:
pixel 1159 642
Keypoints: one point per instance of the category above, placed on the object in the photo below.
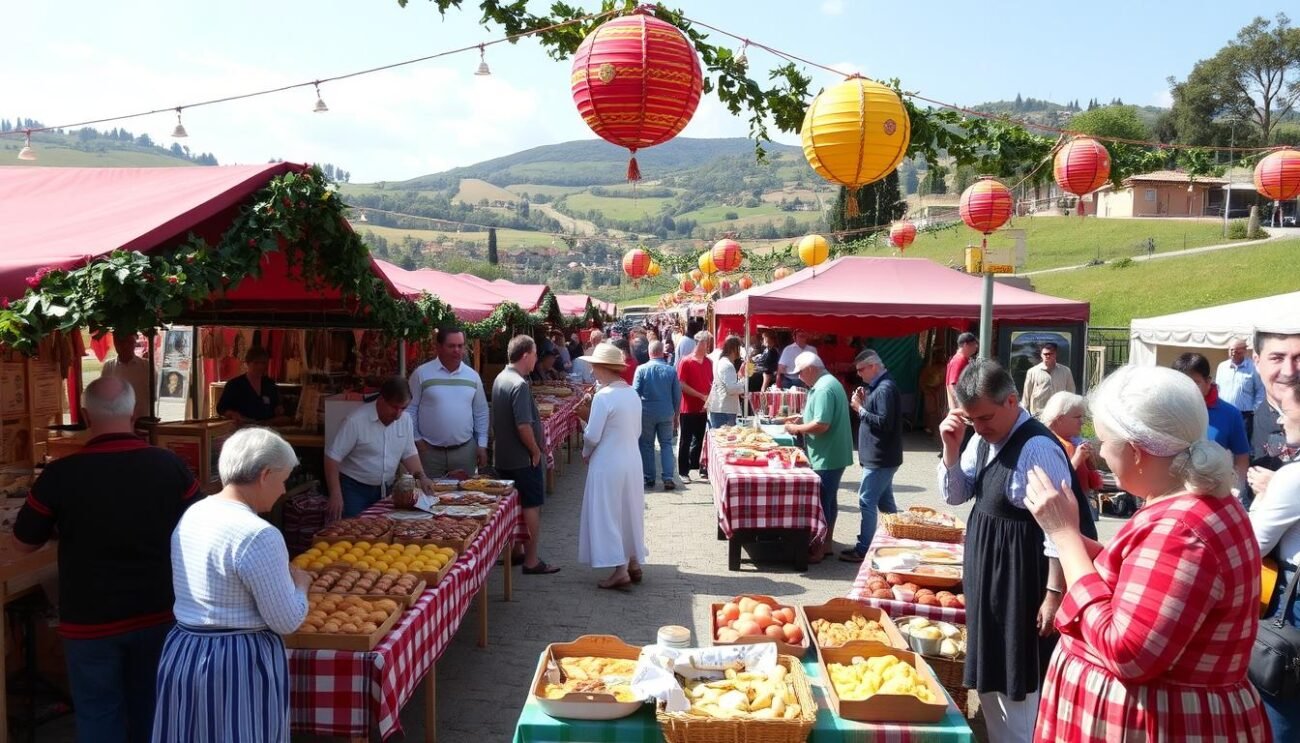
pixel 779 435
pixel 535 726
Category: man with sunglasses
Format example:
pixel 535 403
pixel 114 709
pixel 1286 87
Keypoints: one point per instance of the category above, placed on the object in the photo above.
pixel 1045 379
pixel 361 461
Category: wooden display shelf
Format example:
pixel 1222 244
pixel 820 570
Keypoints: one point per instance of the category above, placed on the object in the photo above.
pixel 198 443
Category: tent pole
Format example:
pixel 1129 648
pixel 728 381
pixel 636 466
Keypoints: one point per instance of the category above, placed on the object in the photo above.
pixel 749 357
pixel 986 319
pixel 401 356
pixel 153 373
pixel 196 374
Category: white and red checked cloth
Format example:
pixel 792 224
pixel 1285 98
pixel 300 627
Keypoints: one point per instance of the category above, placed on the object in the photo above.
pixel 342 693
pixel 562 424
pixel 762 498
pixel 894 608
pixel 771 402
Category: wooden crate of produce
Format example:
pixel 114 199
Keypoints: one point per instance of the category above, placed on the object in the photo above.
pixel 841 611
pixel 354 642
pixel 883 707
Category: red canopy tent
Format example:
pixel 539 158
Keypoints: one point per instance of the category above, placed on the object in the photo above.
pixel 574 305
pixel 470 303
pixel 527 296
pixel 885 297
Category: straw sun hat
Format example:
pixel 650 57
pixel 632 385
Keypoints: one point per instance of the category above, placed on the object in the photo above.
pixel 606 354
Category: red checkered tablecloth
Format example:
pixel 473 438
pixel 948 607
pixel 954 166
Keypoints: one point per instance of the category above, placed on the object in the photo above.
pixel 762 498
pixel 771 402
pixel 343 693
pixel 904 608
pixel 562 424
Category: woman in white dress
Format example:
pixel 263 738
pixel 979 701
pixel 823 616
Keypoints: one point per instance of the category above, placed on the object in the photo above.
pixel 612 529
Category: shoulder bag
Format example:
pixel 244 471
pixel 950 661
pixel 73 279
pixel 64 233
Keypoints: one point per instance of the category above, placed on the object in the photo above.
pixel 1275 657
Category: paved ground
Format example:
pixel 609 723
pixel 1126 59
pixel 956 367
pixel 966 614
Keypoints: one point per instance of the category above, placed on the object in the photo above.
pixel 480 691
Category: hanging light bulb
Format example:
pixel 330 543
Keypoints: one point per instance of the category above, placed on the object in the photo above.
pixel 482 70
pixel 741 59
pixel 320 104
pixel 179 131
pixel 27 153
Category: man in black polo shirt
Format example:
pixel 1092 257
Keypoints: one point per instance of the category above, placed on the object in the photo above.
pixel 114 505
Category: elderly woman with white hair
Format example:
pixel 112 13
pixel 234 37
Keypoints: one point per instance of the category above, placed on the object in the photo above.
pixel 224 672
pixel 1063 415
pixel 1156 626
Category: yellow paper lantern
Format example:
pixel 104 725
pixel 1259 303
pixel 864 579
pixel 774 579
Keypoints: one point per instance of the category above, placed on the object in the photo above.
pixel 654 269
pixel 856 132
pixel 708 284
pixel 707 267
pixel 813 250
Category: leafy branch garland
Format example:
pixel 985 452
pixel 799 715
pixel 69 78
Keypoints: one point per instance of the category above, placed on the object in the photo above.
pixel 297 213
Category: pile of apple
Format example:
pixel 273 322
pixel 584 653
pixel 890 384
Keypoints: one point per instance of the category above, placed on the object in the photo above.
pixel 745 617
pixel 893 587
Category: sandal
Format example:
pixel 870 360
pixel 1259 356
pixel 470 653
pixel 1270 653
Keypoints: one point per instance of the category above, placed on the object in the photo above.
pixel 541 568
pixel 623 585
pixel 635 574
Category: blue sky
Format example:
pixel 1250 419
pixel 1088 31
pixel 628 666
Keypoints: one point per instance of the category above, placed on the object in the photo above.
pixel 80 60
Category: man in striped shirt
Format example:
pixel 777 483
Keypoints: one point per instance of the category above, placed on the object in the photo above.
pixel 114 505
pixel 449 410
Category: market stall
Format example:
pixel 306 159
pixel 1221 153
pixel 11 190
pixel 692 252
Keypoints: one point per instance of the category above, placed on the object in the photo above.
pixel 756 500
pixel 1209 330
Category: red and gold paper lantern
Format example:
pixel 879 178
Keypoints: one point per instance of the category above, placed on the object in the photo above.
pixel 688 286
pixel 707 266
pixel 780 273
pixel 986 205
pixel 636 263
pixel 727 255
pixel 708 284
pixel 745 282
pixel 1277 176
pixel 696 274
pixel 1082 166
pixel 636 81
pixel 901 234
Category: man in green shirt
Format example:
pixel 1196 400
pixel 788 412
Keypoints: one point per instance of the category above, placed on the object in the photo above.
pixel 827 437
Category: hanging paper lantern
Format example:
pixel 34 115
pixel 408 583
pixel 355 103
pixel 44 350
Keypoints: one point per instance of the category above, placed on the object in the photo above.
pixel 813 250
pixel 696 274
pixel 1082 166
pixel 727 255
pixel 708 284
pixel 855 133
pixel 780 273
pixel 654 269
pixel 636 263
pixel 724 286
pixel 707 266
pixel 745 282
pixel 1277 176
pixel 688 286
pixel 901 234
pixel 986 205
pixel 636 81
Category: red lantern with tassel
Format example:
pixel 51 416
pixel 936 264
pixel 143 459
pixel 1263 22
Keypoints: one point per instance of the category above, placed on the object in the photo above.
pixel 1081 167
pixel 985 205
pixel 636 81
pixel 745 282
pixel 688 286
pixel 727 255
pixel 1277 176
pixel 636 263
pixel 901 234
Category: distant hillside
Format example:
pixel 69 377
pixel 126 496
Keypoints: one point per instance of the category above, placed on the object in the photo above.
pixel 589 162
pixel 89 147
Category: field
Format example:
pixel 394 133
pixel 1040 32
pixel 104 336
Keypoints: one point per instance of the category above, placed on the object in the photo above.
pixel 507 239
pixel 1159 287
pixel 613 207
pixel 717 214
pixel 50 155
pixel 473 190
pixel 535 188
pixel 1053 242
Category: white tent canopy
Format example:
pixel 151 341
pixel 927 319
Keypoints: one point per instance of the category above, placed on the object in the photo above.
pixel 1160 340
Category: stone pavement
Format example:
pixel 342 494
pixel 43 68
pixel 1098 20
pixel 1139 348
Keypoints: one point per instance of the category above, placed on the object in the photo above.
pixel 481 690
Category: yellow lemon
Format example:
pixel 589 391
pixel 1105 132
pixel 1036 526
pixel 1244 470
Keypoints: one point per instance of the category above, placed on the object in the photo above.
pixel 313 552
pixel 362 564
pixel 362 545
pixel 321 545
pixel 410 548
pixel 348 558
pixel 318 565
pixel 448 551
pixel 379 565
pixel 343 545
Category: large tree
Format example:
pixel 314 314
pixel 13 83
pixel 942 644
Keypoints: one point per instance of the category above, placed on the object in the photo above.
pixel 1254 79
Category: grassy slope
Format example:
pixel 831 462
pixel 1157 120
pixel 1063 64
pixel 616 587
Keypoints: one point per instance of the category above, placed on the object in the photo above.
pixel 1070 241
pixel 473 190
pixel 716 214
pixel 534 188
pixel 506 239
pixel 1159 287
pixel 614 207
pixel 55 156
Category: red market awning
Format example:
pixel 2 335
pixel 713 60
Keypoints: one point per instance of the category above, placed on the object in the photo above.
pixel 886 297
pixel 64 217
pixel 574 305
pixel 527 296
pixel 469 302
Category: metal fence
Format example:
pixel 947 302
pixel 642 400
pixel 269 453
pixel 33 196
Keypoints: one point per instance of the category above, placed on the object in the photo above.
pixel 1107 351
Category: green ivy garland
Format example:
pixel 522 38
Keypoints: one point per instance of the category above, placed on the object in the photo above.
pixel 297 213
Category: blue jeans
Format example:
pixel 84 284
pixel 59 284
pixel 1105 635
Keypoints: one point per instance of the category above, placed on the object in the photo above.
pixel 1283 718
pixel 830 498
pixel 357 496
pixel 875 495
pixel 662 430
pixel 113 682
pixel 718 420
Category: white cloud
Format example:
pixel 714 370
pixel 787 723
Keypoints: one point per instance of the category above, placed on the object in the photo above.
pixel 832 7
pixel 1163 98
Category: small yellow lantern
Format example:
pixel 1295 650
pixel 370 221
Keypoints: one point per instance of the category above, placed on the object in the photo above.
pixel 855 133
pixel 708 284
pixel 813 250
pixel 654 269
pixel 707 266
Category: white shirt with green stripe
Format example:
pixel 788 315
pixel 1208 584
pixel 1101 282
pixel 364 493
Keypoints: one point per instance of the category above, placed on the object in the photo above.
pixel 448 408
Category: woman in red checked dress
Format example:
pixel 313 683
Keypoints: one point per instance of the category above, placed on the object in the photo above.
pixel 1157 626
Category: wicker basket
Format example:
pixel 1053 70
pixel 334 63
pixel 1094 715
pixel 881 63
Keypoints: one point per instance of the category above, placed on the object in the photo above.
pixel 679 727
pixel 949 672
pixel 900 529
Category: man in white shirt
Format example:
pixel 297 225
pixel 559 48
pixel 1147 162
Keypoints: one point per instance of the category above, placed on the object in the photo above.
pixel 449 410
pixel 1239 383
pixel 361 461
pixel 131 368
pixel 684 343
pixel 1044 380
pixel 785 367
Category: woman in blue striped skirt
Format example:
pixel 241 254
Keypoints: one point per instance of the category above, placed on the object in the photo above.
pixel 224 672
